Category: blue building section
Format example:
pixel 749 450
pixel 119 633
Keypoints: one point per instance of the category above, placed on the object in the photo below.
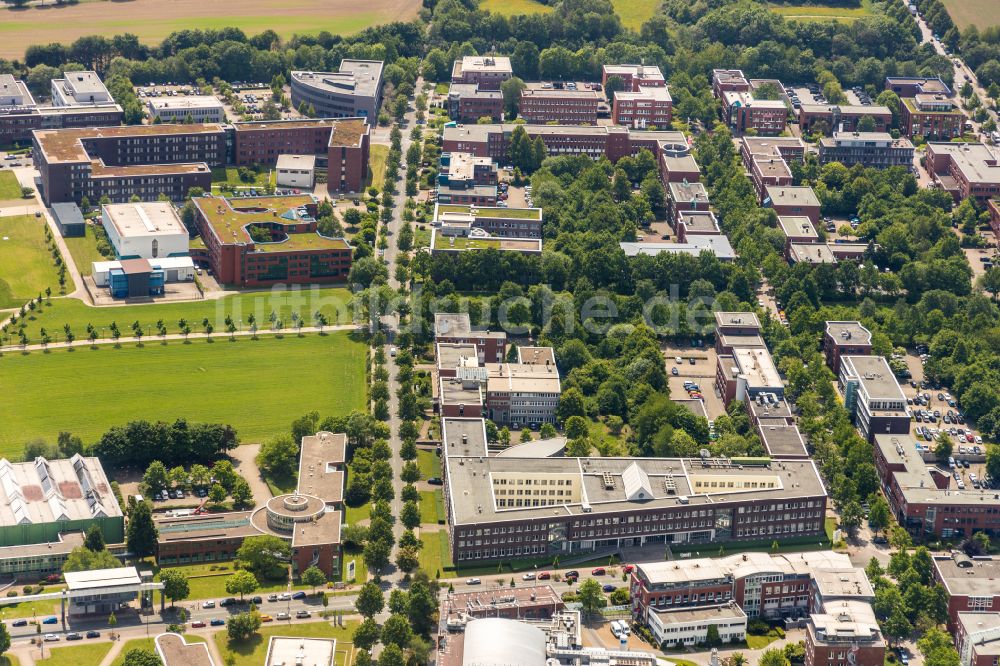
pixel 136 279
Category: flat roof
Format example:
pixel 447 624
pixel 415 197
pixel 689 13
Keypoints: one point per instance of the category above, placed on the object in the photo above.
pixel 791 195
pixel 455 391
pixel 463 165
pixel 321 466
pixel 325 529
pixel 84 82
pixel 811 253
pixel 798 226
pixel 687 192
pixel 717 244
pixel 975 161
pixel 771 145
pixel 740 340
pixel 874 373
pixel 847 582
pixel 916 482
pixel 356 77
pixel 774 409
pixel 580 92
pixel 730 611
pixel 969 576
pixel 143 219
pixel 101 578
pixel 756 365
pixel 441 211
pixel 287 650
pixel 742 319
pixel 844 622
pixel 184 102
pixel 46 491
pixel 847 109
pixel 487 601
pixel 880 139
pixel 651 72
pixel 694 405
pixel 607 485
pixel 66 145
pixel 487 63
pixel 174 650
pixel 204 527
pixel 655 93
pixel 458 325
pixel 522 378
pixel 229 218
pixel 848 333
pixel 927 84
pixel 772 166
pixel 984 630
pixel 741 565
pixel 746 98
pixel 782 441
pixel 698 220
pixel 528 355
pixel 472 90
pixel 450 354
pixel 686 163
pixel 296 162
pixel 15 89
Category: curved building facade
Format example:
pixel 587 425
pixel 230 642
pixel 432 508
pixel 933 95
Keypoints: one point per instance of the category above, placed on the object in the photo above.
pixel 354 91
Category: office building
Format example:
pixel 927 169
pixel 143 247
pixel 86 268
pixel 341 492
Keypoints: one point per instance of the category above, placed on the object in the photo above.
pixel 487 72
pixel 102 591
pixel 561 103
pixel 793 201
pixel 145 230
pixel 47 507
pixel 20 115
pixel 141 278
pixel 931 116
pixel 502 222
pixel 468 102
pixel 634 77
pixel 768 160
pixel 341 146
pixel 978 639
pixel 186 108
pixel 728 80
pixel 686 196
pixel 447 239
pixel 870 149
pixel 743 112
pixel 717 244
pixel 257 241
pixel 747 372
pixel 873 397
pixel 845 338
pixel 648 107
pixel 121 162
pixel 465 179
pixel 696 223
pixel 79 89
pixel 829 118
pixel 797 229
pixel 69 220
pixel 688 627
pixel 844 633
pixel 288 650
pixel 296 171
pixel 993 206
pixel 964 169
pixel 972 585
pixel 782 441
pixel 811 253
pixel 763 585
pixel 533 602
pixel 678 168
pixel 355 91
pixel 927 501
pixel 911 86
pixel 541 506
pixel 736 329
pixel 491 346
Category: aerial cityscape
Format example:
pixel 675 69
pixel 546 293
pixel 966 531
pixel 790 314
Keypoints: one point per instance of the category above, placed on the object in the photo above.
pixel 484 333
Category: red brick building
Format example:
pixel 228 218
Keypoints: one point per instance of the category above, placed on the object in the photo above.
pixel 729 80
pixel 344 143
pixel 978 639
pixel 456 329
pixel 568 104
pixel 842 117
pixel 633 76
pixel 972 585
pixel 269 240
pixel 993 205
pixel 468 102
pixel 931 116
pixel 768 160
pixel 845 338
pixel 793 201
pixel 648 107
pixel 845 633
pixel 964 169
pixel 488 71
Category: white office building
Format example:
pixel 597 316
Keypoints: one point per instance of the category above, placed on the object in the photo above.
pixel 689 626
pixel 298 171
pixel 80 89
pixel 196 108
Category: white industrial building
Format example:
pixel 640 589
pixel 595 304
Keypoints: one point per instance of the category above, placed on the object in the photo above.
pixel 175 269
pixel 147 230
pixel 286 650
pixel 297 171
pixel 200 109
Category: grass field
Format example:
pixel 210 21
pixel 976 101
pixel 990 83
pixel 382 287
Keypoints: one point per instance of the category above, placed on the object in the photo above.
pixel 432 507
pixel 376 160
pixel 980 13
pixel 258 386
pixel 514 7
pixel 84 250
pixel 435 556
pixel 230 176
pixel 37 609
pixel 152 20
pixel 429 463
pixel 253 652
pixel 26 267
pixel 9 660
pixel 148 644
pixel 206 583
pixel 91 653
pixel 9 187
pixel 334 302
pixel 822 12
pixel 634 13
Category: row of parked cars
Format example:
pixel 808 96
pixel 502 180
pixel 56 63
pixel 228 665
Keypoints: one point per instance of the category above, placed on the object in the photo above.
pixel 177 493
pixel 71 636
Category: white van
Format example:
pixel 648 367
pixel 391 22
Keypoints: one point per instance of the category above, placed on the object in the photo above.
pixel 620 628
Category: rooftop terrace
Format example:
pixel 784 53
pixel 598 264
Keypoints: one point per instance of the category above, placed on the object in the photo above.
pixel 229 219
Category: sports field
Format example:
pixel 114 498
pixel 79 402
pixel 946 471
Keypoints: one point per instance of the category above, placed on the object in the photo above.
pixel 26 267
pixel 980 13
pixel 152 20
pixel 258 386
pixel 821 11
pixel 334 302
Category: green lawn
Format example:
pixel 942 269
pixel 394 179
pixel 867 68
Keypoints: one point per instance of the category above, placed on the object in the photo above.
pixel 87 653
pixel 9 660
pixel 821 12
pixel 9 187
pixel 148 644
pixel 429 463
pixel 634 13
pixel 980 13
pixel 252 652
pixel 206 583
pixel 421 237
pixel 435 556
pixel 37 609
pixel 84 250
pixel 761 642
pixel 360 568
pixel 230 176
pixel 26 267
pixel 377 156
pixel 257 386
pixel 432 507
pixel 334 302
pixel 514 7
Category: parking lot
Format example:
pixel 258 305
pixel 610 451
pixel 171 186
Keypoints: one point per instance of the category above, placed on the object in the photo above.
pixel 701 371
pixel 252 96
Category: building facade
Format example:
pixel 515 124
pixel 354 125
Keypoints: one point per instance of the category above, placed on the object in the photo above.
pixel 845 338
pixel 870 149
pixel 568 104
pixel 842 117
pixel 646 108
pixel 355 91
pixel 873 397
pixel 931 116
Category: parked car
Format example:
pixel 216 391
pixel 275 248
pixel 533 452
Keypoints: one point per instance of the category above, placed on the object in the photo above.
pixel 197 624
pixel 572 573
pixel 51 620
pixel 93 634
pixel 628 568
pixel 266 618
pixel 217 622
pixel 284 596
pixel 74 636
pixel 229 601
pixel 283 616
pixel 208 604
pixel 272 597
pixel 435 481
pixel 545 575
pixel 302 614
pixel 51 638
pixel 19 623
pixel 609 588
pixel 473 581
pixel 599 571
pixel 299 595
pixel 528 576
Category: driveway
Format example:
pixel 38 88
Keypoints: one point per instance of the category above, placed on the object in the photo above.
pixel 243 461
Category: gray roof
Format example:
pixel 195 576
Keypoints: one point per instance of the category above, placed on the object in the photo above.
pixel 811 253
pixel 848 332
pixel 717 244
pixel 494 641
pixel 782 441
pixel 917 484
pixel 979 580
pixel 875 375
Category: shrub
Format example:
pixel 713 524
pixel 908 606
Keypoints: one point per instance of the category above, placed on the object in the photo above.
pixel 12 593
